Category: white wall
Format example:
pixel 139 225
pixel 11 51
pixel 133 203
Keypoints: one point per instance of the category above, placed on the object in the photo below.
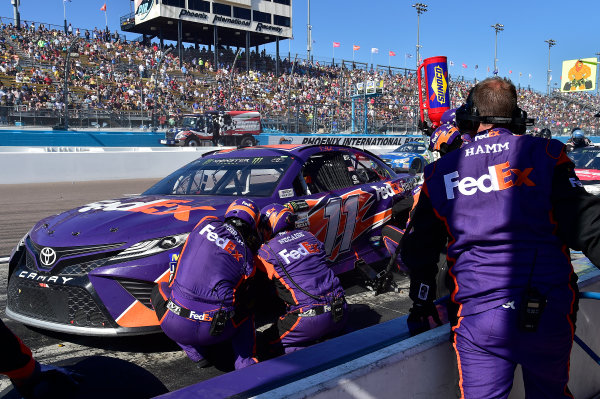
pixel 63 164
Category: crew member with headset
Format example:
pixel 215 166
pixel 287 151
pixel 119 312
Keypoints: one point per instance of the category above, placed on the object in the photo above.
pixel 510 204
pixel 204 303
pixel 296 261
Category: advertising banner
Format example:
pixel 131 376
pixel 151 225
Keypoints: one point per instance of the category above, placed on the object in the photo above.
pixel 578 75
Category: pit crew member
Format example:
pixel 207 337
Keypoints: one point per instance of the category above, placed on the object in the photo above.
pixel 203 304
pixel 296 261
pixel 30 378
pixel 510 205
pixel 578 140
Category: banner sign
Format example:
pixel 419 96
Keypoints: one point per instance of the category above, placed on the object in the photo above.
pixel 337 139
pixel 578 75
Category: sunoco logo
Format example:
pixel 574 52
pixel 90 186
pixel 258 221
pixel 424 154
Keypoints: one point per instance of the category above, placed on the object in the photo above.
pixel 47 256
pixel 143 8
pixel 439 84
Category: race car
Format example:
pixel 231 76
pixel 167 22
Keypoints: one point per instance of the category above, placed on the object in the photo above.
pixel 412 155
pixel 587 167
pixel 90 270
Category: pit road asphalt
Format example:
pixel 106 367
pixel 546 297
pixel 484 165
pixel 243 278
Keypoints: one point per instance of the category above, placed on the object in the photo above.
pixel 21 206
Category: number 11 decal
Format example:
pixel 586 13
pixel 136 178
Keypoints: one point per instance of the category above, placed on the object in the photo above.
pixel 333 211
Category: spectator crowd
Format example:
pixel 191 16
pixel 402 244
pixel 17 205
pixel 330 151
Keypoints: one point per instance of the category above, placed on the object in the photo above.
pixel 107 72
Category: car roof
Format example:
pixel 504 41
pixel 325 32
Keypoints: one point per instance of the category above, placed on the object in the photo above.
pixel 302 151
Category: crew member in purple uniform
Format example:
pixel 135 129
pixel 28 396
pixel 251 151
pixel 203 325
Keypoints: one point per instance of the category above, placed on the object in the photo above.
pixel 510 205
pixel 201 306
pixel 296 261
pixel 30 378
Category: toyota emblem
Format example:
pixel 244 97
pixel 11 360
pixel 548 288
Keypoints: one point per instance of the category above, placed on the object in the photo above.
pixel 47 256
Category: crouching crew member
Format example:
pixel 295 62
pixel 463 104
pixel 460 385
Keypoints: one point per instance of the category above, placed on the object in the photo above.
pixel 295 260
pixel 202 305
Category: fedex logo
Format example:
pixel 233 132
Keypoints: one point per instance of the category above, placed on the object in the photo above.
pixel 499 177
pixel 303 249
pixel 383 192
pixel 223 243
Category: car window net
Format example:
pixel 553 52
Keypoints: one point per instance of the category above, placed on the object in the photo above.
pixel 327 172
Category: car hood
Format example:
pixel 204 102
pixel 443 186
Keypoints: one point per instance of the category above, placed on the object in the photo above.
pixel 126 219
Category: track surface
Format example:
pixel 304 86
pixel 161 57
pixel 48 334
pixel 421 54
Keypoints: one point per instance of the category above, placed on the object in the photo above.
pixel 23 205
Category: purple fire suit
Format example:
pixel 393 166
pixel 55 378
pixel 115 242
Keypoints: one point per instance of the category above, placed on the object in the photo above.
pixel 212 268
pixel 296 262
pixel 509 205
pixel 16 361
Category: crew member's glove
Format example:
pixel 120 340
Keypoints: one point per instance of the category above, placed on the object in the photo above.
pixel 425 128
pixel 423 294
pixel 48 382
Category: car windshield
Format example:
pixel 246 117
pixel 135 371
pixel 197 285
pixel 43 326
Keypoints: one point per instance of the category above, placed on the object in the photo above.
pixel 188 122
pixel 411 147
pixel 586 158
pixel 251 176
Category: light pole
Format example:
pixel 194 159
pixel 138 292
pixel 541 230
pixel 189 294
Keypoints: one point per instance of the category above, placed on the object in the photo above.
pixel 598 58
pixel 498 28
pixel 421 8
pixel 308 34
pixel 551 43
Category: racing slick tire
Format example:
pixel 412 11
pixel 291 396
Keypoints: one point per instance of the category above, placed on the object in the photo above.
pixel 417 165
pixel 247 141
pixel 192 142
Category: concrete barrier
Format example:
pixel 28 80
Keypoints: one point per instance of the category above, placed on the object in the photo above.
pixel 20 165
pixel 381 362
pixel 64 164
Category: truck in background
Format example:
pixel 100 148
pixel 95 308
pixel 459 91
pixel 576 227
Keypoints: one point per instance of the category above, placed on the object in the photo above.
pixel 234 128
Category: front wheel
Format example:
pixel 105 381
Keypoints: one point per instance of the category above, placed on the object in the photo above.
pixel 417 164
pixel 192 142
pixel 247 141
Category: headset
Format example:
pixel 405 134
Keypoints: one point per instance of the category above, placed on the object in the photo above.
pixel 468 118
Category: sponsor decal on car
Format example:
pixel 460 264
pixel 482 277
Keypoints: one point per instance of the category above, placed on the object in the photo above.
pixel 287 193
pixel 177 208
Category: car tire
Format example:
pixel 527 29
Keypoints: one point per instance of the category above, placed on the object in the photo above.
pixel 247 141
pixel 192 142
pixel 417 164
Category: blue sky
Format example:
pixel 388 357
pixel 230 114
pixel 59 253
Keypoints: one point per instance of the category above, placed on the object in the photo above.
pixel 460 30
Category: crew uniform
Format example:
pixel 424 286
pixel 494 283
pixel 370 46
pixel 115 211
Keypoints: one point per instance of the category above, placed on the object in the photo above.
pixel 16 361
pixel 500 199
pixel 296 261
pixel 214 264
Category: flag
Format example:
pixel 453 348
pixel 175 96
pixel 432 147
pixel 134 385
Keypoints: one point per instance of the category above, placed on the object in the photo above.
pixel 529 76
pixel 476 66
pixel 510 71
pixel 408 55
pixel 64 1
pixel 355 47
pixel 374 50
pixel 103 8
pixel 336 44
pixel 451 63
pixel 520 73
pixel 392 54
pixel 488 69
pixel 464 65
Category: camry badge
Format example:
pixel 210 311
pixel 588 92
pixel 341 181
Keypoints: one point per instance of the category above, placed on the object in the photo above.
pixel 47 256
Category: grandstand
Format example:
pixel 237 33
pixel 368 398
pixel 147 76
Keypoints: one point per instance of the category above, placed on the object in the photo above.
pixel 113 82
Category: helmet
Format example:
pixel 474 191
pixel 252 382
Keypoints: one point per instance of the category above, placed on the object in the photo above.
pixel 578 135
pixel 449 117
pixel 276 218
pixel 545 133
pixel 244 210
pixel 445 139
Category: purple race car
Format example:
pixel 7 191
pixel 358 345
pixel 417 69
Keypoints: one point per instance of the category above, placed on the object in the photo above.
pixel 91 270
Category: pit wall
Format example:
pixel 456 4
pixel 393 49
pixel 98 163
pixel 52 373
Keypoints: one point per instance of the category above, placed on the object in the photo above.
pixel 382 362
